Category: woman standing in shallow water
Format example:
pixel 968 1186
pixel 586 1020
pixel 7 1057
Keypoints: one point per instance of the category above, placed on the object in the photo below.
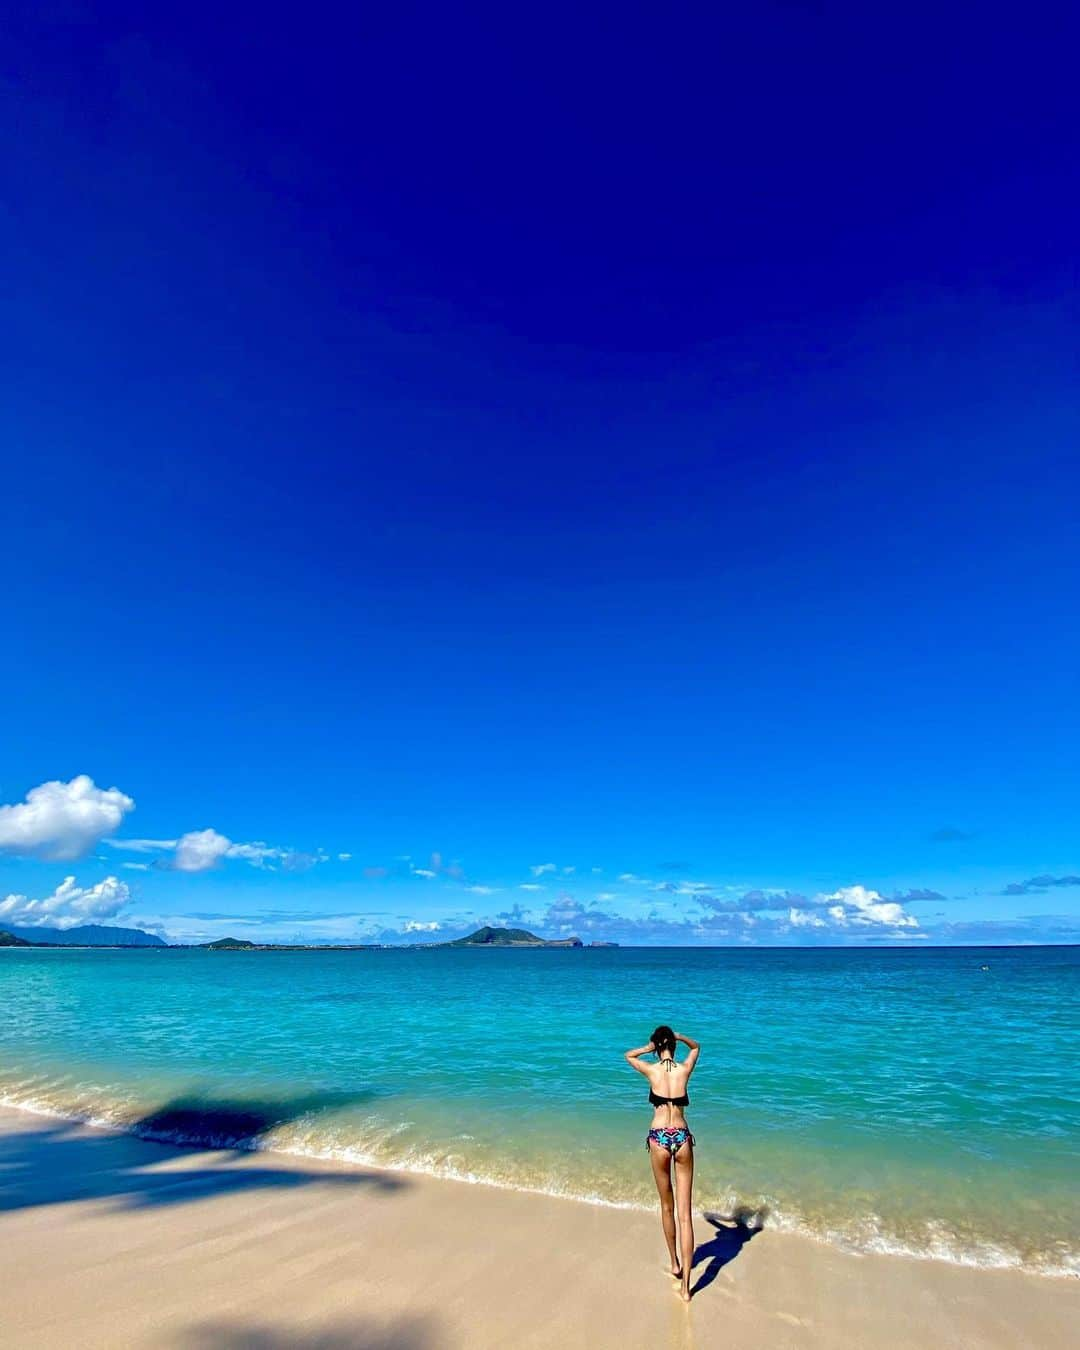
pixel 670 1143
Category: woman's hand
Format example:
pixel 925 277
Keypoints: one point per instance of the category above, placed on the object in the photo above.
pixel 694 1048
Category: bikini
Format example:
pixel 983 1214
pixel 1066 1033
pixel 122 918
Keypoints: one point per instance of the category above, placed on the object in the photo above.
pixel 670 1138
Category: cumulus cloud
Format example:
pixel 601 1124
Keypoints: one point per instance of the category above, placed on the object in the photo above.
pixel 805 918
pixel 758 901
pixel 419 926
pixel 200 850
pixel 61 821
pixel 861 906
pixel 68 906
pixel 538 869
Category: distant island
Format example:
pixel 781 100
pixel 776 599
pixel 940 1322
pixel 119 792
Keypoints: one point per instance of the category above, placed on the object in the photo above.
pixel 509 937
pixel 85 935
pixel 231 944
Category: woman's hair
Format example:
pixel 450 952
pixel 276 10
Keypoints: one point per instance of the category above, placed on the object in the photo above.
pixel 663 1038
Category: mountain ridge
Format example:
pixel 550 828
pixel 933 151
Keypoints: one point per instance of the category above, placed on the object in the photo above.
pixel 85 935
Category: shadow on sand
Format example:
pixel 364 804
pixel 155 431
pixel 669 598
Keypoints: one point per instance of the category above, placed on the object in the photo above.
pixel 62 1162
pixel 411 1333
pixel 730 1236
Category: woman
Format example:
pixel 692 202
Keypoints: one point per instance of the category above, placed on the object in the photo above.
pixel 669 1141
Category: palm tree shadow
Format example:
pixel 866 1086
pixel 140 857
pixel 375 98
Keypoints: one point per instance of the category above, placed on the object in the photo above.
pixel 413 1333
pixel 729 1238
pixel 64 1162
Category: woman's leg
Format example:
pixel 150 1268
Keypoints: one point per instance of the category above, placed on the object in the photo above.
pixel 661 1170
pixel 684 1195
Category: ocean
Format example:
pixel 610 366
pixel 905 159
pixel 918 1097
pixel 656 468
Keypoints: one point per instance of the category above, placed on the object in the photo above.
pixel 917 1102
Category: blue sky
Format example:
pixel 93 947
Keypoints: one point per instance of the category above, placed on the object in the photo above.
pixel 641 451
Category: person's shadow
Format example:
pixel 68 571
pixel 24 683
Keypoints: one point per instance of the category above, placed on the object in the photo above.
pixel 728 1240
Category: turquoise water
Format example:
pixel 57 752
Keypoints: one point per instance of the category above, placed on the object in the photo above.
pixel 884 1100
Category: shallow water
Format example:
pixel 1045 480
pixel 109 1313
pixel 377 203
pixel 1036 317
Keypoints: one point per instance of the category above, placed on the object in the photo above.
pixel 905 1101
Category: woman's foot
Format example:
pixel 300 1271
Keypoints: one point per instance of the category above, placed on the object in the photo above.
pixel 676 1271
pixel 684 1292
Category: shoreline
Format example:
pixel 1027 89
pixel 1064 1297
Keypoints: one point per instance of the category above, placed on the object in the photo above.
pixel 746 1216
pixel 114 1239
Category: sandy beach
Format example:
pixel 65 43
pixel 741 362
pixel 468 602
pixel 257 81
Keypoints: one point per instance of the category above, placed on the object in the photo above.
pixel 107 1240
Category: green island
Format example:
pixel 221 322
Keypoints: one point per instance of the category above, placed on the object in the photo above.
pixel 509 937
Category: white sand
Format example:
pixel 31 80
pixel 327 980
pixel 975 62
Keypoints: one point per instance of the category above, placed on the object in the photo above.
pixel 108 1241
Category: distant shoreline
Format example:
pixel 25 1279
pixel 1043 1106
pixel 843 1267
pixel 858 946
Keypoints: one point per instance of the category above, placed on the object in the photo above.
pixel 529 946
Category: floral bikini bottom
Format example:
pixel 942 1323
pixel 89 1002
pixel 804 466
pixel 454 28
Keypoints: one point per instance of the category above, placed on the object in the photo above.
pixel 672 1140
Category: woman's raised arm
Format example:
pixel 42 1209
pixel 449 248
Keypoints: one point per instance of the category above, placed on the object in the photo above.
pixel 693 1046
pixel 633 1057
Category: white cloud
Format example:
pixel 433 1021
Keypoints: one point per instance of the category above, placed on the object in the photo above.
pixel 863 907
pixel 538 869
pixel 203 850
pixel 805 918
pixel 530 886
pixel 141 845
pixel 60 821
pixel 200 850
pixel 344 857
pixel 424 872
pixel 568 871
pixel 68 905
pixel 416 926
pixel 258 853
pixel 482 890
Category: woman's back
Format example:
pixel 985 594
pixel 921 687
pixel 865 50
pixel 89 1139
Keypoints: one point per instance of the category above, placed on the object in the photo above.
pixel 668 1081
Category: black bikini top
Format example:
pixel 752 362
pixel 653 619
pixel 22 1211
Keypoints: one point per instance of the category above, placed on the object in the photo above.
pixel 654 1100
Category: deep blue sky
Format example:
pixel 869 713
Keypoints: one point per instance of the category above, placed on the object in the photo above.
pixel 645 443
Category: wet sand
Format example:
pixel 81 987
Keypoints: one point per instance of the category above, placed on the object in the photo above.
pixel 111 1241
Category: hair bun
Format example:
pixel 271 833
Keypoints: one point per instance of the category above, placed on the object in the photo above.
pixel 663 1038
